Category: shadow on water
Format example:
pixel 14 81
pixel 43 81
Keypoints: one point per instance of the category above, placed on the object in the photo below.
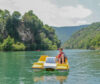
pixel 50 77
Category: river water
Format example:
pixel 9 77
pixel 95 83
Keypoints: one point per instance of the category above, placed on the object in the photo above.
pixel 16 68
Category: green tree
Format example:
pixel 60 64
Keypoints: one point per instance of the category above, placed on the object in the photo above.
pixel 16 15
pixel 7 44
pixel 20 27
pixel 12 24
pixel 18 46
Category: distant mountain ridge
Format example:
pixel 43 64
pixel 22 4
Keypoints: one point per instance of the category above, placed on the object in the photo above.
pixel 64 33
pixel 86 38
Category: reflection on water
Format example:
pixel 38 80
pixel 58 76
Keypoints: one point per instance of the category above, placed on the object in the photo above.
pixel 48 77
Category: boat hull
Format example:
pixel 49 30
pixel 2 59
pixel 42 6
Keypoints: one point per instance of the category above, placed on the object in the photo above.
pixel 42 65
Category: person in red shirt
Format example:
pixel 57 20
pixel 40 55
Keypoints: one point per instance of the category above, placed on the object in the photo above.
pixel 60 56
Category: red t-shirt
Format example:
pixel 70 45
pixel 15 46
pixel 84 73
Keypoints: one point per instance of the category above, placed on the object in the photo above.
pixel 60 54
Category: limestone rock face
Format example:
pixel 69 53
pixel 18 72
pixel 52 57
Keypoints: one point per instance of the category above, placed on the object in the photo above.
pixel 25 34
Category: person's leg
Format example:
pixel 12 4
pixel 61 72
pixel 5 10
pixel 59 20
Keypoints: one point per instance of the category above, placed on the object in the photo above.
pixel 62 59
pixel 59 60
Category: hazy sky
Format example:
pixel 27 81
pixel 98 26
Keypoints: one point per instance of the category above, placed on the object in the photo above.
pixel 58 12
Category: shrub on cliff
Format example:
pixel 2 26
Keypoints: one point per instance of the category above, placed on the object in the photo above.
pixel 18 46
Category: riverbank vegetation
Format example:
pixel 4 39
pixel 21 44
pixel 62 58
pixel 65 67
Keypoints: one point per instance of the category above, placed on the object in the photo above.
pixel 25 32
pixel 86 38
pixel 10 45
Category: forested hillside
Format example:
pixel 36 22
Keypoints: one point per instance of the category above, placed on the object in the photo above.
pixel 64 33
pixel 27 31
pixel 86 38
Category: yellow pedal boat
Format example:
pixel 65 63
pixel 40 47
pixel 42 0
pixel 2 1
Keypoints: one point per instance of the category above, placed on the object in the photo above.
pixel 49 63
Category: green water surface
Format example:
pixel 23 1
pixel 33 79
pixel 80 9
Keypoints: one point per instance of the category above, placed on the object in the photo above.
pixel 16 68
